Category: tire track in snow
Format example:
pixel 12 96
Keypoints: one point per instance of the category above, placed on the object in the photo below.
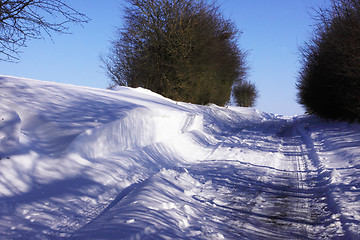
pixel 308 206
pixel 305 202
pixel 258 205
pixel 336 224
pixel 287 201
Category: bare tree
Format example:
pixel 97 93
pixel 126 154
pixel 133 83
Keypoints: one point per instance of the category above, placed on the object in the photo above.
pixel 22 20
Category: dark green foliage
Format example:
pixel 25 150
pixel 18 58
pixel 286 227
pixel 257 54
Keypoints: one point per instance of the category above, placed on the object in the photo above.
pixel 329 81
pixel 181 49
pixel 245 94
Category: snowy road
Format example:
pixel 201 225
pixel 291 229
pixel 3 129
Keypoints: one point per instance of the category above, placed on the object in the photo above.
pixel 286 197
pixel 83 163
pixel 283 200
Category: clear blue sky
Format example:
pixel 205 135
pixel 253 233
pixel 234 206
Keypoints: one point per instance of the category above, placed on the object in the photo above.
pixel 272 32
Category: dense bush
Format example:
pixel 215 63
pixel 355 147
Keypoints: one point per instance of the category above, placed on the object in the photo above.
pixel 181 49
pixel 329 81
pixel 245 94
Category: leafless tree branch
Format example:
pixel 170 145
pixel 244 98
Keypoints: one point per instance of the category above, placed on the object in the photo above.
pixel 22 20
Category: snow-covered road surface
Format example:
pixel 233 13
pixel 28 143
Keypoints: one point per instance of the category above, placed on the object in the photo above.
pixel 129 164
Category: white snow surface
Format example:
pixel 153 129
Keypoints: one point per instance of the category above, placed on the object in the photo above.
pixel 84 163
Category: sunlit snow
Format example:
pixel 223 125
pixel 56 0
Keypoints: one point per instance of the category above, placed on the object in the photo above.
pixel 84 163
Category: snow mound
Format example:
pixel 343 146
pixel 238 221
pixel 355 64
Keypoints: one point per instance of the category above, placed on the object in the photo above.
pixel 9 130
pixel 141 127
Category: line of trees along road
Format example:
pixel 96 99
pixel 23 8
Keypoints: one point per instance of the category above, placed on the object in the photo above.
pixel 329 80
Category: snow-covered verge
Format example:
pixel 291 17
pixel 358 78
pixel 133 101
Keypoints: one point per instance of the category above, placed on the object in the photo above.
pixel 83 163
pixel 336 148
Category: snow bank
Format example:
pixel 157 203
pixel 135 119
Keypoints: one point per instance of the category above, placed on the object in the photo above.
pixel 9 130
pixel 172 194
pixel 141 127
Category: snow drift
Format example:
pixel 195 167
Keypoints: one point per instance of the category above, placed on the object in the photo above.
pixel 140 127
pixel 84 163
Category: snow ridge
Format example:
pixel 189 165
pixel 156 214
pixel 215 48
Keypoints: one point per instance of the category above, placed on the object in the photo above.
pixel 151 126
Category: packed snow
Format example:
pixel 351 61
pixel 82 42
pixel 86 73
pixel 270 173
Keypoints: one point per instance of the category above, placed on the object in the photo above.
pixel 84 163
